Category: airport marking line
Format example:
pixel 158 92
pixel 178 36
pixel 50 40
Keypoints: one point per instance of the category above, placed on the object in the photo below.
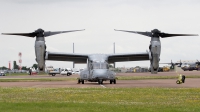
pixel 102 86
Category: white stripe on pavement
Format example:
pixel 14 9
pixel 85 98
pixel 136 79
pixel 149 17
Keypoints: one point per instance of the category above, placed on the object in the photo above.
pixel 103 86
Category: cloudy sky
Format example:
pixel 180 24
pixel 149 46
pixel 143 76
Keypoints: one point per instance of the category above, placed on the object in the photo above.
pixel 99 18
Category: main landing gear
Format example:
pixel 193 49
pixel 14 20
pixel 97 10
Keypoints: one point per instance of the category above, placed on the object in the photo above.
pixel 113 81
pixel 80 81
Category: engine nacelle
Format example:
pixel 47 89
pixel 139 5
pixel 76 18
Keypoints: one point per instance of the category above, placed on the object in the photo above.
pixel 155 48
pixel 40 54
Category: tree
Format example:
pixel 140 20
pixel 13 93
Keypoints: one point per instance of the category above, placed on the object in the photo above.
pixel 3 68
pixel 35 66
pixel 24 68
pixel 111 66
pixel 15 66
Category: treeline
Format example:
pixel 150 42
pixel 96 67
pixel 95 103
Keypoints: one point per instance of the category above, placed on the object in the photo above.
pixel 16 67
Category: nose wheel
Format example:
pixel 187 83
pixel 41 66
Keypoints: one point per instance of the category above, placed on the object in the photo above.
pixel 100 81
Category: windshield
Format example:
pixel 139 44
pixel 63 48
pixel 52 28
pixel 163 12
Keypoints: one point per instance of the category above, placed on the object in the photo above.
pixel 100 65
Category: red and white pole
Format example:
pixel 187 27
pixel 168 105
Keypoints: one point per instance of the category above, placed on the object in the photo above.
pixel 9 66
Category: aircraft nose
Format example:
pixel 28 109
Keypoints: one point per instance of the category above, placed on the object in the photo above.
pixel 100 73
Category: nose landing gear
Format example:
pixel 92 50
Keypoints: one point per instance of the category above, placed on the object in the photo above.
pixel 100 81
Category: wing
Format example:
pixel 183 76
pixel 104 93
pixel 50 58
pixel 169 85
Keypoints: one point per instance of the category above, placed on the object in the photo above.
pixel 128 57
pixel 76 58
pixel 171 63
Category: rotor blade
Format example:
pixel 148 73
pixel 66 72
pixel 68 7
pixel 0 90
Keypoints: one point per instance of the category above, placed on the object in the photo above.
pixel 177 63
pixel 172 35
pixel 22 34
pixel 165 63
pixel 49 33
pixel 198 63
pixel 149 34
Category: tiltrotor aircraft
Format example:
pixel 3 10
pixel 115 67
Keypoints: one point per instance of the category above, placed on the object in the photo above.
pixel 190 66
pixel 40 46
pixel 155 45
pixel 179 64
pixel 97 64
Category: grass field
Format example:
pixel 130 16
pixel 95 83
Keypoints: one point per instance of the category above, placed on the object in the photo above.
pixel 99 99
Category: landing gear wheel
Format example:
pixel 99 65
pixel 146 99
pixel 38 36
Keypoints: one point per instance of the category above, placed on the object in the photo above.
pixel 68 74
pixel 178 82
pixel 100 81
pixel 79 81
pixel 114 81
pixel 82 81
pixel 53 74
pixel 111 81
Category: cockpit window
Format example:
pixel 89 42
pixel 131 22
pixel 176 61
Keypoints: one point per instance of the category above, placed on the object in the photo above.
pixel 99 65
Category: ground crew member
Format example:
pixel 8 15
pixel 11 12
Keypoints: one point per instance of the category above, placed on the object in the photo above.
pixel 181 79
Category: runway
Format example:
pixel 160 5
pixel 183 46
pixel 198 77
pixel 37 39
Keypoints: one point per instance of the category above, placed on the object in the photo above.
pixel 164 83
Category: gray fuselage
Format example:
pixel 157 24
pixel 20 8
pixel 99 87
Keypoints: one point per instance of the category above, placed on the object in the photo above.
pixel 97 69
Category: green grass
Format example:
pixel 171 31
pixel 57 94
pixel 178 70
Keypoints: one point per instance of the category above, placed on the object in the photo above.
pixel 99 99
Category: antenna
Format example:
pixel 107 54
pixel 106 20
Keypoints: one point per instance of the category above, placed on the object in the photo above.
pixel 73 52
pixel 20 61
pixel 114 53
pixel 73 47
pixel 114 47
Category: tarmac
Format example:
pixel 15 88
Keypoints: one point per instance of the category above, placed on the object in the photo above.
pixel 157 83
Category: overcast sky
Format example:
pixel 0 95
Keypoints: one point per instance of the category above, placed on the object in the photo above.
pixel 99 18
